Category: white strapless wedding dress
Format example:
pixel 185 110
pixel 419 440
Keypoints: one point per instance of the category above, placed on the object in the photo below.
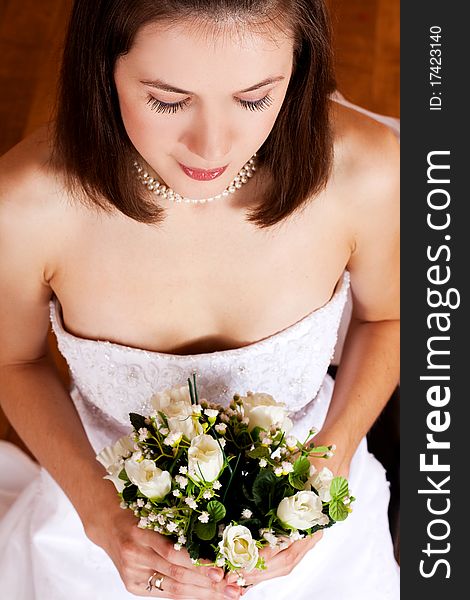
pixel 44 552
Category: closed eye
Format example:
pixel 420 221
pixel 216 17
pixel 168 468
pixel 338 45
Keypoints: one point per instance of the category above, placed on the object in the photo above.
pixel 167 107
pixel 261 104
pixel 173 107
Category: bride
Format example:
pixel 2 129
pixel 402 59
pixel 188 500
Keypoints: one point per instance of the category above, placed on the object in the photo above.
pixel 201 203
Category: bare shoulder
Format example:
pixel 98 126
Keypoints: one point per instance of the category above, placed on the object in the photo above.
pixel 32 199
pixel 366 178
pixel 26 179
pixel 366 155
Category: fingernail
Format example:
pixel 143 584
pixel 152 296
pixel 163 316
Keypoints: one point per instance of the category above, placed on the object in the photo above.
pixel 215 574
pixel 231 592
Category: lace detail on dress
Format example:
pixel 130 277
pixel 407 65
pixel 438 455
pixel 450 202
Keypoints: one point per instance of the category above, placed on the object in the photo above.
pixel 112 379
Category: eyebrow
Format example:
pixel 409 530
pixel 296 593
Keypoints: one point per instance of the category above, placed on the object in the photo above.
pixel 161 85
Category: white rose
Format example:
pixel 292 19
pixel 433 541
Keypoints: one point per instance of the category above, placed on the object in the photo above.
pixel 302 511
pixel 321 481
pixel 151 481
pixel 112 457
pixel 205 458
pixel 175 403
pixel 238 547
pixel 263 411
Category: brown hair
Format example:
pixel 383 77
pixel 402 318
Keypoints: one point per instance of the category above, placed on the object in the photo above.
pixel 91 145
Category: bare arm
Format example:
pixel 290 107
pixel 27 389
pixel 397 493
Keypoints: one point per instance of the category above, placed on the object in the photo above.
pixel 369 369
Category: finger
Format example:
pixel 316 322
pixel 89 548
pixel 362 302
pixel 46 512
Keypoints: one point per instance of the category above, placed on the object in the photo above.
pixel 268 553
pixel 164 547
pixel 283 562
pixel 164 586
pixel 145 559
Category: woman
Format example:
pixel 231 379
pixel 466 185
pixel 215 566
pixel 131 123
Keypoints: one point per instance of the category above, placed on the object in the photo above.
pixel 149 287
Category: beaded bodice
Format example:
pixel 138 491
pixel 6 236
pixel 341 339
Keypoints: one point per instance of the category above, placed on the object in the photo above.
pixel 109 380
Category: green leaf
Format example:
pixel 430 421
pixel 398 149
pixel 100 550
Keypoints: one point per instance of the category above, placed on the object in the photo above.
pixel 263 488
pixel 216 510
pixel 339 488
pixel 296 481
pixel 255 432
pixel 260 452
pixel 205 531
pixel 123 475
pixel 129 493
pixel 302 467
pixel 138 421
pixel 337 510
pixel 319 450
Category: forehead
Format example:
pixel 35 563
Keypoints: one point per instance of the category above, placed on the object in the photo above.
pixel 207 53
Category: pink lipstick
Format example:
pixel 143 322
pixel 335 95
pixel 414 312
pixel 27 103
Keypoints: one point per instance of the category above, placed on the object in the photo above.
pixel 202 174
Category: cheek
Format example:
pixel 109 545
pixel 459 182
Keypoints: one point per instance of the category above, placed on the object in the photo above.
pixel 143 126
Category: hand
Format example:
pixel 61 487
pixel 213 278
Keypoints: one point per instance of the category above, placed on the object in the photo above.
pixel 138 553
pixel 338 464
pixel 278 562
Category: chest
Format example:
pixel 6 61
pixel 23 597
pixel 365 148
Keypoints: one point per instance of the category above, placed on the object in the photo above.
pixel 197 285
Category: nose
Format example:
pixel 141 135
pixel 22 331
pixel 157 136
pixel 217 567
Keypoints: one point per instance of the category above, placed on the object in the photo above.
pixel 209 137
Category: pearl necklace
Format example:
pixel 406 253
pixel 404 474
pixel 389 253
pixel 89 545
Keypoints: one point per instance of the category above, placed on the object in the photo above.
pixel 245 173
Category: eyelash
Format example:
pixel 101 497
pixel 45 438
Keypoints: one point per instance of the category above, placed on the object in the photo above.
pixel 172 108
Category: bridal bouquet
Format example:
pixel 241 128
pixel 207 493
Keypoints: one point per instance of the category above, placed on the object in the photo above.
pixel 223 481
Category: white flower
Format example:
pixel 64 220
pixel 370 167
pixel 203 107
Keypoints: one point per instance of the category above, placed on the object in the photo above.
pixel 301 511
pixel 175 403
pixel 143 434
pixel 291 442
pixel 112 457
pixel 183 470
pixel 222 442
pixel 322 482
pixel 238 547
pixel 263 462
pixel 276 453
pixel 181 481
pixel 151 481
pixel 207 495
pixel 177 493
pixel 211 413
pixel 171 526
pixel 278 471
pixel 205 458
pixel 287 467
pixel 181 539
pixel 204 517
pixel 173 438
pixel 216 485
pixel 177 546
pixel 263 411
pixel 191 502
pixel 197 409
pixel 221 428
pixel 270 538
pixel 246 513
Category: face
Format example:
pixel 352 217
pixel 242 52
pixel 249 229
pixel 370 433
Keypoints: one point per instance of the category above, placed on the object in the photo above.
pixel 197 103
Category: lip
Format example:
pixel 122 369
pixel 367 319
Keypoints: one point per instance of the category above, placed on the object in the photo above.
pixel 203 174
